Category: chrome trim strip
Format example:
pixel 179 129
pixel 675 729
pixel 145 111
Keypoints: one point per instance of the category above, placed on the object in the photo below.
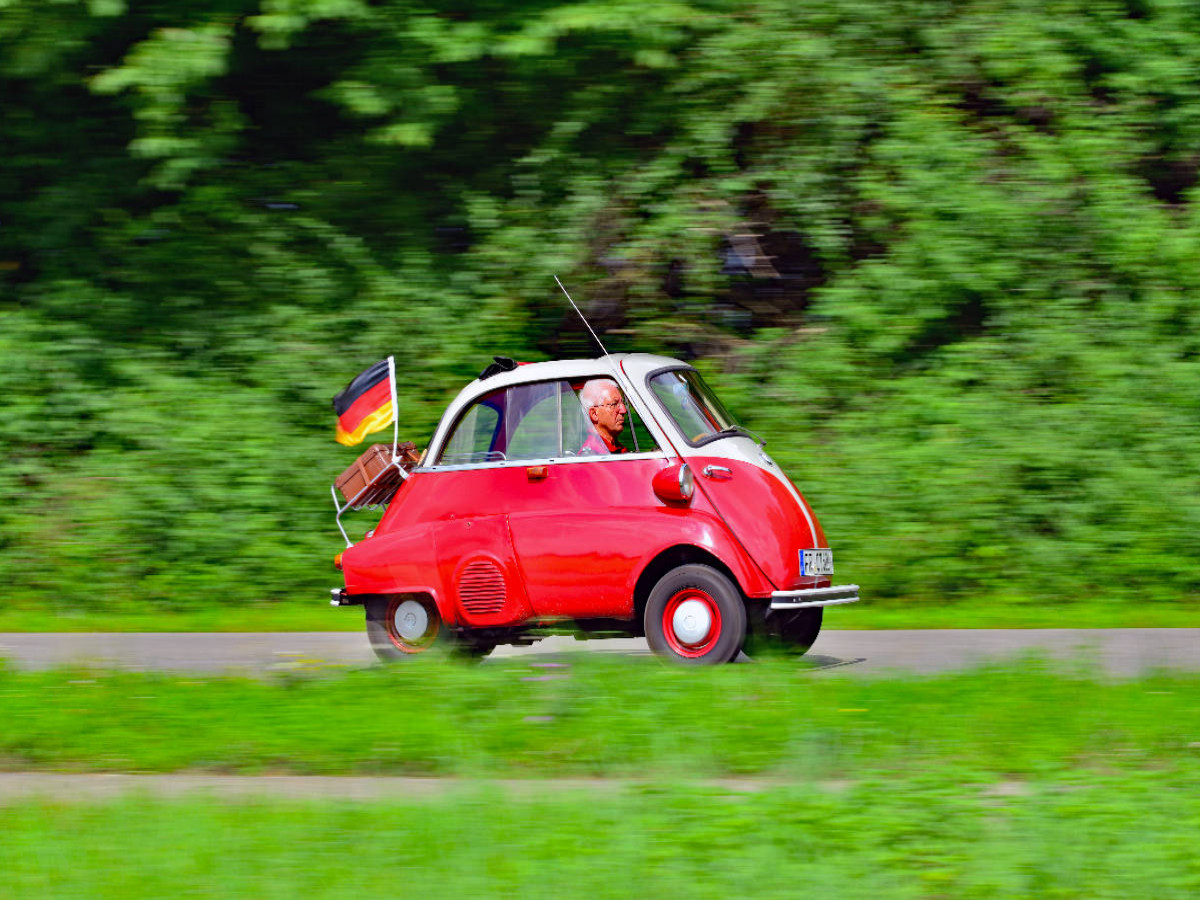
pixel 545 461
pixel 810 597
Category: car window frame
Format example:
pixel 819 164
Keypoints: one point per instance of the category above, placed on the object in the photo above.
pixel 632 401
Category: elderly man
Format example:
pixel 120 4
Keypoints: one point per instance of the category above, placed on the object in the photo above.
pixel 602 403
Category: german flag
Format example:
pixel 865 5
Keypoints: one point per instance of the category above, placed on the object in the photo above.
pixel 367 404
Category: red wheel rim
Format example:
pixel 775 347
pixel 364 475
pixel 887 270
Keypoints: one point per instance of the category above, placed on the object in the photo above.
pixel 411 644
pixel 687 646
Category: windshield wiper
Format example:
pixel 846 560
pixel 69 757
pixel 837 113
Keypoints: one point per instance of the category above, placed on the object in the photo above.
pixel 741 429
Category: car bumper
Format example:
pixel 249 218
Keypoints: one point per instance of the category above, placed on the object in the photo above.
pixel 341 598
pixel 810 597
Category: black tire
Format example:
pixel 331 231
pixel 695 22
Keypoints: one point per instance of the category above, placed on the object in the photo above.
pixel 470 649
pixel 403 626
pixel 710 631
pixel 786 632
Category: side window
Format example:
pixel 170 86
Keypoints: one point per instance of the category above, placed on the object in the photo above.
pixel 477 437
pixel 547 420
pixel 575 426
pixel 533 415
pixel 515 423
pixel 581 436
pixel 641 439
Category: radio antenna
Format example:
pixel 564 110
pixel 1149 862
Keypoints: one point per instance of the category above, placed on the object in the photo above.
pixel 581 315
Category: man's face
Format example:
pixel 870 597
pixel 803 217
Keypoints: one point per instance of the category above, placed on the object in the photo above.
pixel 609 414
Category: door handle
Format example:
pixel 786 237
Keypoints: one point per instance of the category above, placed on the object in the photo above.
pixel 715 471
pixel 537 473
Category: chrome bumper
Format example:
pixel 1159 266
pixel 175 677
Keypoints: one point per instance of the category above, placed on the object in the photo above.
pixel 826 596
pixel 341 598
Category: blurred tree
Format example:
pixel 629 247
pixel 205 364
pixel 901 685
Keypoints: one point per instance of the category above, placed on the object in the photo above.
pixel 941 253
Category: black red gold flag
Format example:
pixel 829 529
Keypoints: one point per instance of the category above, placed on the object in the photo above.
pixel 367 404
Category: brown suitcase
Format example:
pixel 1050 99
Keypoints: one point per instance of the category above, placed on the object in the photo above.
pixel 368 469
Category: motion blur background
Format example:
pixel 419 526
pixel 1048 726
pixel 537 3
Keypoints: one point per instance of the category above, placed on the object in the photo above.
pixel 943 255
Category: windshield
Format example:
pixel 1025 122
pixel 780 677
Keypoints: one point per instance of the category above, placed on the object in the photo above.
pixel 691 403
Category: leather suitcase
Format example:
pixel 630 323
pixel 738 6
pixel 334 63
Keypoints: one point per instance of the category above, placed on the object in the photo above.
pixel 366 470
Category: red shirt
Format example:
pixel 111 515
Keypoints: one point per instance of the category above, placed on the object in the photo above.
pixel 599 446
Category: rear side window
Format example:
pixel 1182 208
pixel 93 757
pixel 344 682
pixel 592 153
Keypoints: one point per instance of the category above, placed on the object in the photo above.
pixel 535 434
pixel 515 423
pixel 476 437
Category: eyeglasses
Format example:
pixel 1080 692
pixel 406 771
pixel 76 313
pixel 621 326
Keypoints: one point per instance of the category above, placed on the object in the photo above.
pixel 612 404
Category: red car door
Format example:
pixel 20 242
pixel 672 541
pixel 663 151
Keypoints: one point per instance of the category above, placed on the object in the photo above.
pixel 581 530
pixel 574 509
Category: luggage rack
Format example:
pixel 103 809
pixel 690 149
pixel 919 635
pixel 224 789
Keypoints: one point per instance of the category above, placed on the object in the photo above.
pixel 380 485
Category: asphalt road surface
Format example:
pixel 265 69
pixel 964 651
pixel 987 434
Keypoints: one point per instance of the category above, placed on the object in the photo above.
pixel 1118 652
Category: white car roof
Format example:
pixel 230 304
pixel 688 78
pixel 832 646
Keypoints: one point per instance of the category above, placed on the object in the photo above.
pixel 636 365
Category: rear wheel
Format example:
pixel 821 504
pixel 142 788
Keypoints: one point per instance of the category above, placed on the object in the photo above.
pixel 402 626
pixel 695 615
pixel 406 625
pixel 787 632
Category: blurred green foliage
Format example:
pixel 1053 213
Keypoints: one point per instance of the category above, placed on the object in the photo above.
pixel 942 254
pixel 903 837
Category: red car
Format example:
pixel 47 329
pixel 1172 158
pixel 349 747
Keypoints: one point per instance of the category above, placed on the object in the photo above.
pixel 613 496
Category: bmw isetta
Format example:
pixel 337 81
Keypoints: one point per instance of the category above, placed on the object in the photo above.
pixel 611 496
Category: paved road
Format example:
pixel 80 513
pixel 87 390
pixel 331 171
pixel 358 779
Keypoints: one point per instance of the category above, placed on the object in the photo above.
pixel 1121 652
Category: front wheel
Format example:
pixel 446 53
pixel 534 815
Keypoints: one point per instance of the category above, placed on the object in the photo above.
pixel 695 615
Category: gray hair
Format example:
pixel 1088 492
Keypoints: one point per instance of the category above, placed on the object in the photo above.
pixel 590 395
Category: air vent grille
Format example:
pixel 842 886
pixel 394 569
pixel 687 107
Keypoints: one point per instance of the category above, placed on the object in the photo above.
pixel 481 588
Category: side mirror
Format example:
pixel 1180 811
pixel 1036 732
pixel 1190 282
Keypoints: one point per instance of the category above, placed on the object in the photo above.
pixel 674 484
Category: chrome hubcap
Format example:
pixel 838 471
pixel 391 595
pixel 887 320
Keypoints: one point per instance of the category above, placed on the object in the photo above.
pixel 411 620
pixel 692 621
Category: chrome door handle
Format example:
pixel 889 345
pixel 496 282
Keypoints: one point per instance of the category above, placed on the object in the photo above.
pixel 714 471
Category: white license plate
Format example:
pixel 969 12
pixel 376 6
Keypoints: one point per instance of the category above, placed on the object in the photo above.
pixel 816 562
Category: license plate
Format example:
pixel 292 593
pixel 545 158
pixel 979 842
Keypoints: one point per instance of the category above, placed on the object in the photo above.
pixel 816 562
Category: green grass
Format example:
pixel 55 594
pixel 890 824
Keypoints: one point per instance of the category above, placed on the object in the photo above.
pixel 1016 780
pixel 315 614
pixel 923 835
pixel 599 716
